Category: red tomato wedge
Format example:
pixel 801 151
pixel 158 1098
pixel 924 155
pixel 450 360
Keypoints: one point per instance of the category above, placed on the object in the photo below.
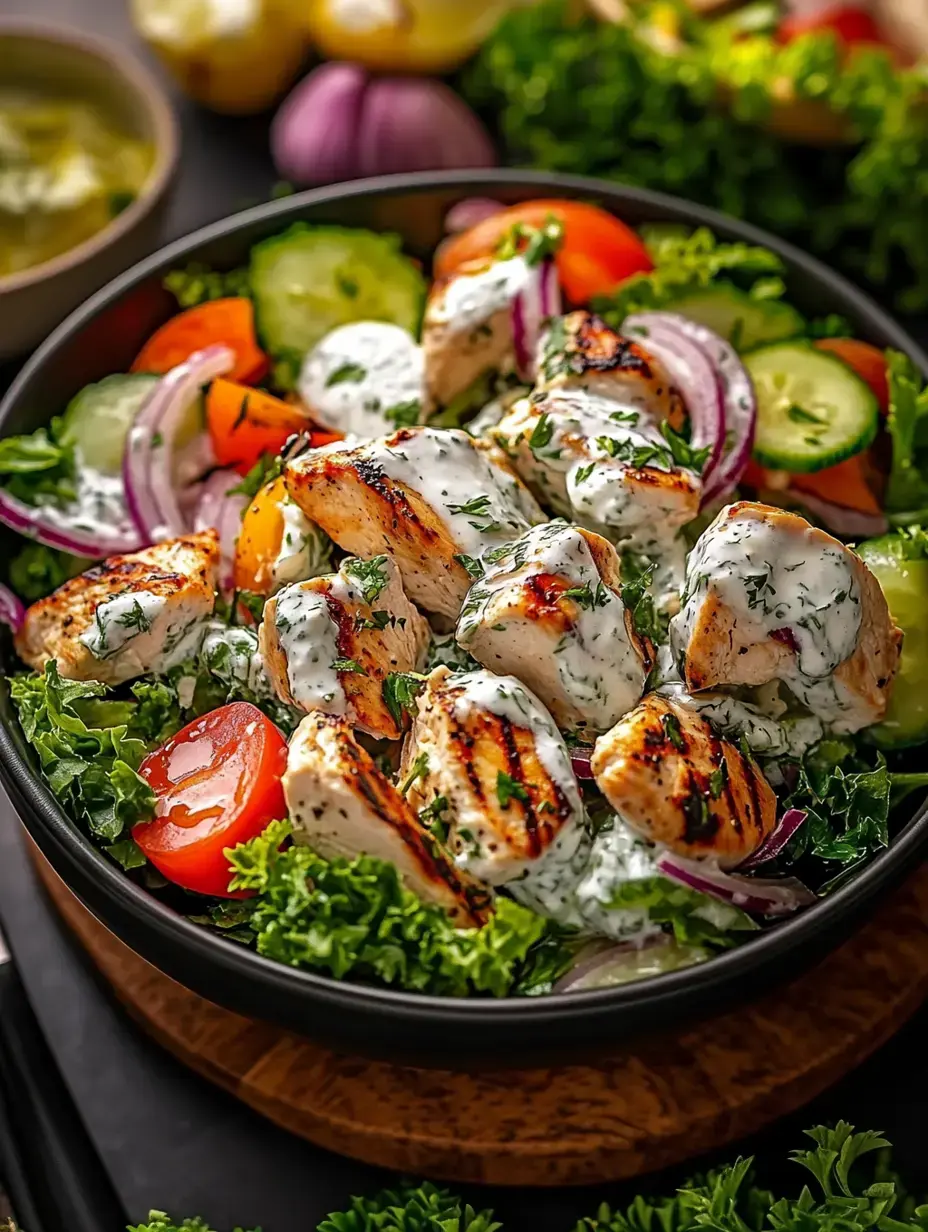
pixel 226 322
pixel 869 362
pixel 217 783
pixel 599 251
pixel 245 424
pixel 851 24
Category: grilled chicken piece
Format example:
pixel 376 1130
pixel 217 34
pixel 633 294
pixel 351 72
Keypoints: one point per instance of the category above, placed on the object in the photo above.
pixel 580 351
pixel 341 805
pixel 427 497
pixel 548 611
pixel 486 758
pixel 329 643
pixel 674 781
pixel 364 379
pixel 467 329
pixel 128 616
pixel 602 464
pixel 769 597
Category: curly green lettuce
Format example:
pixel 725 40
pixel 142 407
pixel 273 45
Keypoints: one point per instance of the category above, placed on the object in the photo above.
pixel 90 750
pixel 356 918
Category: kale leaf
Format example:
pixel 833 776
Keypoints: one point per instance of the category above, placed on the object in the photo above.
pixel 356 918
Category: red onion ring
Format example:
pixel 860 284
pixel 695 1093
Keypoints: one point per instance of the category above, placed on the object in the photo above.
pixel 221 509
pixel 740 404
pixel 530 309
pixel 693 372
pixel 12 608
pixel 581 764
pixel 774 843
pixel 852 523
pixel 467 213
pixel 782 896
pixel 146 467
pixel 37 522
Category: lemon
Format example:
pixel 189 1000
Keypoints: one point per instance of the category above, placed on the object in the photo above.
pixel 233 56
pixel 425 36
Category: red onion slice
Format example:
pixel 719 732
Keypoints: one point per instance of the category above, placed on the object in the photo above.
pixel 146 467
pixel 43 524
pixel 740 404
pixel 467 213
pixel 530 309
pixel 221 509
pixel 755 895
pixel 694 374
pixel 603 964
pixel 774 843
pixel 852 523
pixel 581 763
pixel 12 609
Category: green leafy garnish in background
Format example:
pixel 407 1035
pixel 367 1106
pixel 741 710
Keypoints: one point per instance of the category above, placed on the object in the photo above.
pixel 37 570
pixel 673 102
pixel 906 499
pixel 850 1187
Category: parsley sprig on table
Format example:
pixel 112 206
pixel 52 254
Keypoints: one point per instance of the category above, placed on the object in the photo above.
pixel 849 1187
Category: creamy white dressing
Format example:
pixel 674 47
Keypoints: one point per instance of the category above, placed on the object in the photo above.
pixel 784 581
pixel 305 550
pixel 617 856
pixel 366 379
pixel 585 450
pixel 469 301
pixel 598 668
pixel 737 720
pixel 308 637
pixel 480 504
pixel 366 16
pixel 99 506
pixel 231 654
pixel 120 620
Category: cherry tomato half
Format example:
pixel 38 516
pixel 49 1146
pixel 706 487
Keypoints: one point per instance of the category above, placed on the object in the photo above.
pixel 851 24
pixel 598 252
pixel 869 362
pixel 217 783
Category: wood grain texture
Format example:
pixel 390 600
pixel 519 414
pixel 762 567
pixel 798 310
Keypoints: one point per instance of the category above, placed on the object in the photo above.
pixel 657 1101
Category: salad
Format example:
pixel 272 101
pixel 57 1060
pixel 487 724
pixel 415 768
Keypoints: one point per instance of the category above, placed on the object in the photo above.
pixel 553 624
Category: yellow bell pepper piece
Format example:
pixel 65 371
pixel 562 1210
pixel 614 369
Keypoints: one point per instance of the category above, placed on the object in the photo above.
pixel 424 36
pixel 233 56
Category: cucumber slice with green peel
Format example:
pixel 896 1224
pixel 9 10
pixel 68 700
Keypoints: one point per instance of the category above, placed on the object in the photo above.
pixel 744 321
pixel 97 419
pixel 310 280
pixel 812 410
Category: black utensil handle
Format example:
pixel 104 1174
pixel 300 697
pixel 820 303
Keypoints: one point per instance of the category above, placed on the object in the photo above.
pixel 51 1171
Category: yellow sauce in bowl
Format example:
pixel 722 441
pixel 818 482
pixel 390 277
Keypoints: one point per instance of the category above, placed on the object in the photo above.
pixel 66 170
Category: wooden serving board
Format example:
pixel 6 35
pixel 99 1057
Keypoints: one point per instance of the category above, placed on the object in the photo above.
pixel 656 1101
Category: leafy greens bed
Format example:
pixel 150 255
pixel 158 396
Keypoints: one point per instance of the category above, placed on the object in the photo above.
pixel 482 737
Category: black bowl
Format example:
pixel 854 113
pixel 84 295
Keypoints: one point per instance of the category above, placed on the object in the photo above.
pixel 102 337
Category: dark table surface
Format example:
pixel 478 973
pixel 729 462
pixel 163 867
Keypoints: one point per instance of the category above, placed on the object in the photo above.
pixel 165 1137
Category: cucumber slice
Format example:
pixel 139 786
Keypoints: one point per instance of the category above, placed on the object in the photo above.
pixel 903 578
pixel 744 321
pixel 812 409
pixel 98 418
pixel 311 279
